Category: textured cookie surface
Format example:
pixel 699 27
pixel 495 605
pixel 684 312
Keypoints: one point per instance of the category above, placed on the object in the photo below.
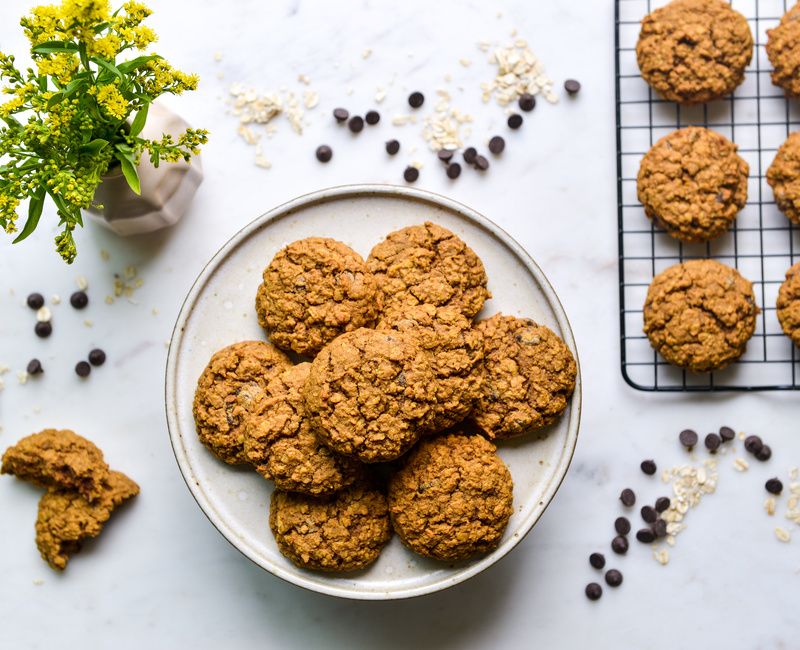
pixel 281 445
pixel 314 290
pixel 783 50
pixel 692 183
pixel 530 376
pixel 58 459
pixel 694 51
pixel 700 314
pixel 452 499
pixel 783 176
pixel 66 519
pixel 343 532
pixel 370 394
pixel 789 304
pixel 455 349
pixel 233 379
pixel 428 264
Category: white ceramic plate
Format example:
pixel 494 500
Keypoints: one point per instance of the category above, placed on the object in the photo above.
pixel 219 311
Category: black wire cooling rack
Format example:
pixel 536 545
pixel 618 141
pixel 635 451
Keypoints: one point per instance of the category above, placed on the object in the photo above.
pixel 763 243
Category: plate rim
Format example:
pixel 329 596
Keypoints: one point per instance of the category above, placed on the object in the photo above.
pixel 286 209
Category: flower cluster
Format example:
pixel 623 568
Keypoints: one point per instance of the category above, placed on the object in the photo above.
pixel 81 110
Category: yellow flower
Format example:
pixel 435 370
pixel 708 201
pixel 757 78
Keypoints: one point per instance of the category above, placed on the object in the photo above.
pixel 8 212
pixel 60 66
pixel 111 101
pixel 44 24
pixel 79 17
pixel 136 12
pixel 10 106
pixel 140 36
pixel 168 79
pixel 107 47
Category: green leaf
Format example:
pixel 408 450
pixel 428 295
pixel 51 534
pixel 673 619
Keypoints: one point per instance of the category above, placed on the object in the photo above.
pixel 55 99
pixel 13 122
pixel 108 66
pixel 35 206
pixel 138 122
pixel 129 171
pixel 94 147
pixel 52 47
pixel 73 85
pixel 138 62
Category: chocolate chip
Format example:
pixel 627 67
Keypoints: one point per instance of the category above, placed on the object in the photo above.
pixel 527 102
pixel 572 86
pixel 411 174
pixel 392 147
pixel 593 591
pixel 597 560
pixel 627 497
pixel 34 367
pixel 82 369
pixel 660 528
pixel 416 99
pixel 648 467
pixel 324 153
pixel 712 442
pixel 688 438
pixel 514 121
pixel 753 444
pixel 619 545
pixel 453 170
pixel 622 525
pixel 662 504
pixel 764 454
pixel 97 357
pixel 445 154
pixel 497 145
pixel 341 114
pixel 773 486
pixel 613 578
pixel 43 330
pixel 481 163
pixel 470 154
pixel 727 434
pixel 645 535
pixel 79 299
pixel 355 124
pixel 649 514
pixel 372 117
pixel 35 301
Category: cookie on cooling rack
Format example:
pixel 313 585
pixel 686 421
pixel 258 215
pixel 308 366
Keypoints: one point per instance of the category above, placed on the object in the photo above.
pixel 789 304
pixel 783 50
pixel 783 176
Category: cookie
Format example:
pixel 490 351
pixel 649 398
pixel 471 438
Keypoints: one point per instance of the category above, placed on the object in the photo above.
pixel 452 498
pixel 783 50
pixel 428 264
pixel 692 183
pixel 783 176
pixel 694 51
pixel 343 532
pixel 789 304
pixel 455 352
pixel 530 376
pixel 234 378
pixel 66 519
pixel 281 445
pixel 370 394
pixel 700 314
pixel 58 459
pixel 314 290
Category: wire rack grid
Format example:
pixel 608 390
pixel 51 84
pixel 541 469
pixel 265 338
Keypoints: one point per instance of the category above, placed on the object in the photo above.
pixel 762 244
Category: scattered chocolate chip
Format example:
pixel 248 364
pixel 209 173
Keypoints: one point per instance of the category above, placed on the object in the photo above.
pixel 572 86
pixel 527 102
pixel 662 504
pixel 764 454
pixel 627 497
pixel 593 591
pixel 688 438
pixel 753 444
pixel 34 367
pixel 497 145
pixel 372 117
pixel 416 99
pixel 324 153
pixel 712 442
pixel 35 301
pixel 481 163
pixel 597 560
pixel 97 357
pixel 82 369
pixel 613 578
pixel 648 467
pixel 445 154
pixel 411 174
pixel 470 154
pixel 645 535
pixel 514 121
pixel 392 147
pixel 619 545
pixel 773 486
pixel 355 124
pixel 660 528
pixel 79 299
pixel 649 514
pixel 43 330
pixel 727 434
pixel 622 525
pixel 341 114
pixel 453 170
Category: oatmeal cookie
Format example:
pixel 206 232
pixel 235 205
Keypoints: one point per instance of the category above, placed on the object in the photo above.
pixel 700 314
pixel 692 183
pixel 789 304
pixel 783 50
pixel 314 290
pixel 281 445
pixel 455 351
pixel 783 176
pixel 235 377
pixel 452 498
pixel 370 394
pixel 66 519
pixel 342 532
pixel 530 376
pixel 58 459
pixel 694 51
pixel 428 264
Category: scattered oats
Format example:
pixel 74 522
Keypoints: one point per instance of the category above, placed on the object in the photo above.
pixel 166 344
pixel 37 409
pixel 22 377
pixel 783 535
pixel 109 300
pixel 43 315
pixel 349 91
pixel 303 79
pixel 104 255
pixel 513 32
pixel 443 129
pixel 2 383
pixel 402 120
pixel 448 78
pixel 465 62
pixel 310 98
pixel 518 71
pixel 88 323
pixel 794 473
pixel 769 506
pixel 154 311
pixel 671 540
pixel 484 45
pixel 38 582
pixel 415 163
pixel 661 556
pixel 740 464
pixel 3 369
pixel 793 512
pixel 55 299
pixel 248 135
pixel 261 160
pixel 741 435
pixel 380 95
pixel 127 283
pixel 218 56
pixel 220 75
pixel 366 53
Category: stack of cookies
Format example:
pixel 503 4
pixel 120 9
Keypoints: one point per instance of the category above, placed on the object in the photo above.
pixel 692 183
pixel 376 405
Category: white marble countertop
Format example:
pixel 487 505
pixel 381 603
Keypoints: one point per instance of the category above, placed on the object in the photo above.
pixel 161 575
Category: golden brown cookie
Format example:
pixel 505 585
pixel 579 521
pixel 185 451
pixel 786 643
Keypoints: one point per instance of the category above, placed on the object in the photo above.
pixel 342 532
pixel 783 176
pixel 281 445
pixel 314 290
pixel 700 314
pixel 455 349
pixel 370 394
pixel 58 459
pixel 530 376
pixel 235 377
pixel 692 183
pixel 694 51
pixel 789 304
pixel 452 498
pixel 783 50
pixel 66 519
pixel 428 264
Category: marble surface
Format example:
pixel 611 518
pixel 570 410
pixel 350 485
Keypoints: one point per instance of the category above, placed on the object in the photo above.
pixel 162 575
